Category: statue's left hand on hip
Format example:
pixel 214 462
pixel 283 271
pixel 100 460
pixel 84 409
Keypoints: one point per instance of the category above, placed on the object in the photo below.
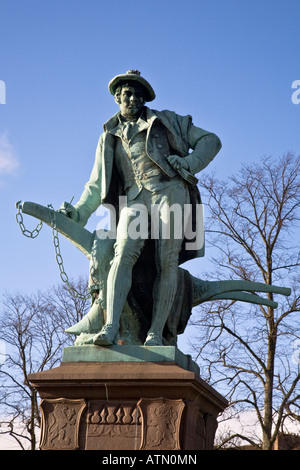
pixel 177 162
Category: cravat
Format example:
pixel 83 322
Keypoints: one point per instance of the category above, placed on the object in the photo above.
pixel 127 130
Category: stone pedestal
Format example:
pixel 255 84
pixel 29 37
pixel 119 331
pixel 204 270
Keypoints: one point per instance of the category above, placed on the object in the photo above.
pixel 126 398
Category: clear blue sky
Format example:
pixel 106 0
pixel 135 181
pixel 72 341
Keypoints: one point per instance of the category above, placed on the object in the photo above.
pixel 228 63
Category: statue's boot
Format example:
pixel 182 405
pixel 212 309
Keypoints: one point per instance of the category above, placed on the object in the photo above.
pixel 165 287
pixel 90 323
pixel 106 336
pixel 153 339
pixel 118 286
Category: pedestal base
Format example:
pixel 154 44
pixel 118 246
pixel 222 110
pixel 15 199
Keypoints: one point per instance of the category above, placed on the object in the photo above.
pixel 126 405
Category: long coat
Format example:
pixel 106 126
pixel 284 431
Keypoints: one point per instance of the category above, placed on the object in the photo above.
pixel 167 130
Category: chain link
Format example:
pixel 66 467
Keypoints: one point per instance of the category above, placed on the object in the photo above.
pixel 63 275
pixel 34 233
pixel 27 233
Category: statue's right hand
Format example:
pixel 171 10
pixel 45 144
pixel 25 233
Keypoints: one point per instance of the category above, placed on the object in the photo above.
pixel 69 211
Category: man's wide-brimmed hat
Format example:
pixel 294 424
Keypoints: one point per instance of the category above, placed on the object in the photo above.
pixel 134 76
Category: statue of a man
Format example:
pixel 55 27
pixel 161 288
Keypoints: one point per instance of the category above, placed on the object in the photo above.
pixel 142 154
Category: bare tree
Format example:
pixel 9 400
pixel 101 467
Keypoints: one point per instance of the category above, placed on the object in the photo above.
pixel 247 351
pixel 32 329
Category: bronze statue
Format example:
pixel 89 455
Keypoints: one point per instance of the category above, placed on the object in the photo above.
pixel 145 166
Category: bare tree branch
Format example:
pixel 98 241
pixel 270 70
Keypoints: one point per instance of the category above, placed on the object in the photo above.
pixel 247 350
pixel 32 327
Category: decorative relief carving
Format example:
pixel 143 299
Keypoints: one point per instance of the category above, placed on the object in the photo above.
pixel 60 423
pixel 113 419
pixel 150 424
pixel 161 419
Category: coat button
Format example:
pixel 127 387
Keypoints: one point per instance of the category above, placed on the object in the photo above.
pixel 159 146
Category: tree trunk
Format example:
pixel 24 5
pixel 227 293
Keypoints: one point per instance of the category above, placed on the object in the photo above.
pixel 268 421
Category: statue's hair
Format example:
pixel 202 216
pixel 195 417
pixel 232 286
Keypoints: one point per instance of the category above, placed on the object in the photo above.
pixel 128 83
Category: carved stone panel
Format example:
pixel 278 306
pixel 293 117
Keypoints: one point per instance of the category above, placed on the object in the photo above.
pixel 113 425
pixel 161 419
pixel 60 423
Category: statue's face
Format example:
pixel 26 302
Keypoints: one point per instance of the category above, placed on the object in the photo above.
pixel 131 101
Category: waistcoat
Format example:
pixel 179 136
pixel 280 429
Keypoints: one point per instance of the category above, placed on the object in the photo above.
pixel 136 169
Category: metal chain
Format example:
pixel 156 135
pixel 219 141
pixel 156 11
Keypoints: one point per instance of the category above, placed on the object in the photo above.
pixel 34 233
pixel 27 233
pixel 62 272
